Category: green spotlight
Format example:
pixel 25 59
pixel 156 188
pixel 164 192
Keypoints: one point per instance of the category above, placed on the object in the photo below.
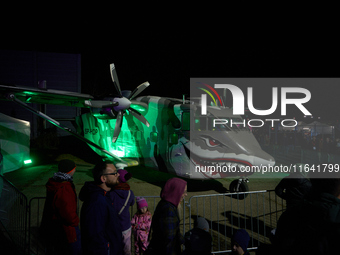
pixel 138 107
pixel 27 161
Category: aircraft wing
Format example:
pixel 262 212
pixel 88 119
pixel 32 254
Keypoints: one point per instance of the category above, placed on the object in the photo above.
pixel 12 97
pixel 46 96
pixel 21 96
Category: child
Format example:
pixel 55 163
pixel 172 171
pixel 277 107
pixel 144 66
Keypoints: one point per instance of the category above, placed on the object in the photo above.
pixel 239 242
pixel 141 223
pixel 198 241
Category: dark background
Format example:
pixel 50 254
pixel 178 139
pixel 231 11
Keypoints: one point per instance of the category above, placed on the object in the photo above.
pixel 169 54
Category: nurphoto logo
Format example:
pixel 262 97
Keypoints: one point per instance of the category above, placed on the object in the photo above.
pixel 204 91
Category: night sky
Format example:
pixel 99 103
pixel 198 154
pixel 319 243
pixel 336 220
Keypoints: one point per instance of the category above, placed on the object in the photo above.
pixel 168 58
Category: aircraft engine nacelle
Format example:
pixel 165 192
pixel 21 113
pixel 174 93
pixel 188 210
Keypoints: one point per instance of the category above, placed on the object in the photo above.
pixel 123 103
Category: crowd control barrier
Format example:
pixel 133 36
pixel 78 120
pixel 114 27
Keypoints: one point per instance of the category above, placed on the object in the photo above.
pixel 257 212
pixel 13 214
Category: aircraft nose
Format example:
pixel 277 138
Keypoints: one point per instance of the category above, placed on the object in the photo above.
pixel 264 159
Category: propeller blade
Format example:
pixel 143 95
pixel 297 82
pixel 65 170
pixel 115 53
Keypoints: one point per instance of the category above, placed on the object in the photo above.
pixel 57 124
pixel 139 116
pixel 100 103
pixel 139 89
pixel 118 126
pixel 115 79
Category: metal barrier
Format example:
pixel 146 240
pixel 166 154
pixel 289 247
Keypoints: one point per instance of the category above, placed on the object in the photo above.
pixel 36 208
pixel 152 204
pixel 258 213
pixel 13 213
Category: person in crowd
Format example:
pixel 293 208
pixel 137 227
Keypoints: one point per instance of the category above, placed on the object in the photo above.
pixel 198 241
pixel 329 150
pixel 314 149
pixel 295 187
pixel 202 223
pixel 99 223
pixel 304 149
pixel 166 236
pixel 314 226
pixel 239 242
pixel 60 222
pixel 321 150
pixel 141 224
pixel 123 197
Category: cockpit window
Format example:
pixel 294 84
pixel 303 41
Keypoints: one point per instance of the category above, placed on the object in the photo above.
pixel 211 123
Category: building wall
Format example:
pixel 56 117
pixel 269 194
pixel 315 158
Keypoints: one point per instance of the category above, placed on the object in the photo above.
pixel 28 68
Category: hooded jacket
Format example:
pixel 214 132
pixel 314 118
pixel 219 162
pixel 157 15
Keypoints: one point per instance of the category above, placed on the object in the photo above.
pixel 173 190
pixel 100 228
pixel 60 211
pixel 166 235
pixel 119 195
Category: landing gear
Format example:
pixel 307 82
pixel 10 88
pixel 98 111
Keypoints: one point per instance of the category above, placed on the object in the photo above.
pixel 239 185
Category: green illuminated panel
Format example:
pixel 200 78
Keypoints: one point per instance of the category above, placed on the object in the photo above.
pixel 138 108
pixel 101 132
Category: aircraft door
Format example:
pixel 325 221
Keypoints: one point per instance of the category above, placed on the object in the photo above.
pixel 177 140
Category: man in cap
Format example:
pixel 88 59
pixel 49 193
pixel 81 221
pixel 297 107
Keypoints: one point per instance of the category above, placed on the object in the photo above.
pixel 60 222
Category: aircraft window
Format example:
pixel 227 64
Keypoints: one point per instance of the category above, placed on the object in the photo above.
pixel 239 124
pixel 219 127
pixel 203 123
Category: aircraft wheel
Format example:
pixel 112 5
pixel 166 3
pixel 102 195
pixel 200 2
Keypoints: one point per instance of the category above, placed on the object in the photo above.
pixel 238 186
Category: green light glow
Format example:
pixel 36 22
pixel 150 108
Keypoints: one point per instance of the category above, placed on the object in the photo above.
pixel 27 161
pixel 119 153
pixel 100 131
pixel 138 108
pixel 30 93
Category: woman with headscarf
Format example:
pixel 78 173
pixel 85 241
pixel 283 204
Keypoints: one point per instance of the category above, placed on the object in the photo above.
pixel 166 236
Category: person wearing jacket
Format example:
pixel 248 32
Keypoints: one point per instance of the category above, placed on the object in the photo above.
pixel 166 237
pixel 99 223
pixel 313 227
pixel 60 222
pixel 123 197
pixel 295 187
pixel 141 224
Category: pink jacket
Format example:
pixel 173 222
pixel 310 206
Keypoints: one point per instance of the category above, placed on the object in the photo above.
pixel 141 224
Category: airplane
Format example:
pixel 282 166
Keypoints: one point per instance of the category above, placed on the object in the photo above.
pixel 167 134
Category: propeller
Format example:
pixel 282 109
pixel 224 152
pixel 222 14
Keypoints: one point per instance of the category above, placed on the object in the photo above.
pixel 115 79
pixel 122 104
